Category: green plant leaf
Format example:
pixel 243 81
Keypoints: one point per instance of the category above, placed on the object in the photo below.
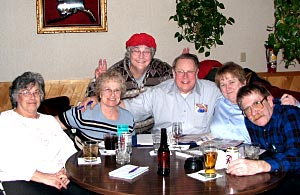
pixel 201 23
pixel 219 42
pixel 207 54
pixel 201 50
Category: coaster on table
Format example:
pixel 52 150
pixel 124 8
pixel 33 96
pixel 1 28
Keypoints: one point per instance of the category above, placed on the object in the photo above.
pixel 200 175
pixel 81 161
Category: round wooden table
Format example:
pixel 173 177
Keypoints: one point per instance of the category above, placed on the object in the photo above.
pixel 96 178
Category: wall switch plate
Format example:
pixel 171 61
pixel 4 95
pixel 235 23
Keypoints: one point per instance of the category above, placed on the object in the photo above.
pixel 243 57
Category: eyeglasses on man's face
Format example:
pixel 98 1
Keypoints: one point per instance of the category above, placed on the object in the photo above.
pixel 256 105
pixel 108 91
pixel 138 52
pixel 27 93
pixel 188 73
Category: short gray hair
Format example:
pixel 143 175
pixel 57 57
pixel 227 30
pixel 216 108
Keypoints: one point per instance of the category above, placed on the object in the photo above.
pixel 110 75
pixel 22 82
pixel 188 56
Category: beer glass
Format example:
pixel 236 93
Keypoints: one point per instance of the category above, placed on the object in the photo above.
pixel 210 153
pixel 90 151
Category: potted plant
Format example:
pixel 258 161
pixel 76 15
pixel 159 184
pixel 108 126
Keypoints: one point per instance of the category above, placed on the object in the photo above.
pixel 285 33
pixel 201 23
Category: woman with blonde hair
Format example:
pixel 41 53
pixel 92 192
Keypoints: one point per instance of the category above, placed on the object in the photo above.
pixel 93 124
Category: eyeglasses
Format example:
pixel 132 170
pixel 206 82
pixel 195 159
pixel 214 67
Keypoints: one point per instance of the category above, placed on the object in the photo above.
pixel 189 73
pixel 110 91
pixel 27 93
pixel 256 105
pixel 138 52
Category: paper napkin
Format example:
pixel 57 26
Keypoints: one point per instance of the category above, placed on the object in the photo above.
pixel 128 171
pixel 179 147
pixel 107 152
pixel 199 175
pixel 221 160
pixel 81 161
pixel 183 155
pixel 152 153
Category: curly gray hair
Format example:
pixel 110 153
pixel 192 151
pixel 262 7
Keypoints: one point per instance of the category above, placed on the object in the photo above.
pixel 110 75
pixel 24 81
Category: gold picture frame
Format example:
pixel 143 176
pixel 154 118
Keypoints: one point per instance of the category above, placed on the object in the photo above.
pixel 71 16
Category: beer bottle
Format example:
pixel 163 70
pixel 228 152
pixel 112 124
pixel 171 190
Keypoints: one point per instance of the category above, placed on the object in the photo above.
pixel 163 155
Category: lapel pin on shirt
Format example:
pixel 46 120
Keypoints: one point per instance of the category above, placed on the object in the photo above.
pixel 201 108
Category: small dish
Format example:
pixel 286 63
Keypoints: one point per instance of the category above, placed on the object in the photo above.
pixel 193 164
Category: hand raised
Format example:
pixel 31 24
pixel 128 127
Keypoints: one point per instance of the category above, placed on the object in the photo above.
pixel 186 50
pixel 102 67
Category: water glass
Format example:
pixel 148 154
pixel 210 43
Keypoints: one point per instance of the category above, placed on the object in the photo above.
pixel 122 154
pixel 156 142
pixel 251 151
pixel 177 130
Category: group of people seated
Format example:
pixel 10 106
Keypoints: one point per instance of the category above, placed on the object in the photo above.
pixel 147 95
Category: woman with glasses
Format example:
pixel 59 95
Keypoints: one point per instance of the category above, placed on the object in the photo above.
pixel 106 115
pixel 228 119
pixel 33 147
pixel 140 70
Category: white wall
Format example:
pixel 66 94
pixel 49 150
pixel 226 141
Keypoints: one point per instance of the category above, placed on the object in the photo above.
pixel 75 55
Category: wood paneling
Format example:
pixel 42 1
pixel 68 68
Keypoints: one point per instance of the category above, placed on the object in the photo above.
pixel 4 97
pixel 74 89
pixel 284 80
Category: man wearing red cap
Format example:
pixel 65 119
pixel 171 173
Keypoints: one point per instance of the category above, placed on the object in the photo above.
pixel 140 70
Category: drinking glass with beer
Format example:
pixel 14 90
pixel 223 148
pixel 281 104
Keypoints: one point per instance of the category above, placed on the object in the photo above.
pixel 90 151
pixel 210 153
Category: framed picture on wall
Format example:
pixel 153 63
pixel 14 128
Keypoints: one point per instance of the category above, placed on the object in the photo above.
pixel 71 16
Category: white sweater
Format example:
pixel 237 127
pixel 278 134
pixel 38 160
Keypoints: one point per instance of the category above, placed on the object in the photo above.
pixel 27 145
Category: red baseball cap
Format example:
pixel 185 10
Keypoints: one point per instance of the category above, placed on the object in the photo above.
pixel 141 39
